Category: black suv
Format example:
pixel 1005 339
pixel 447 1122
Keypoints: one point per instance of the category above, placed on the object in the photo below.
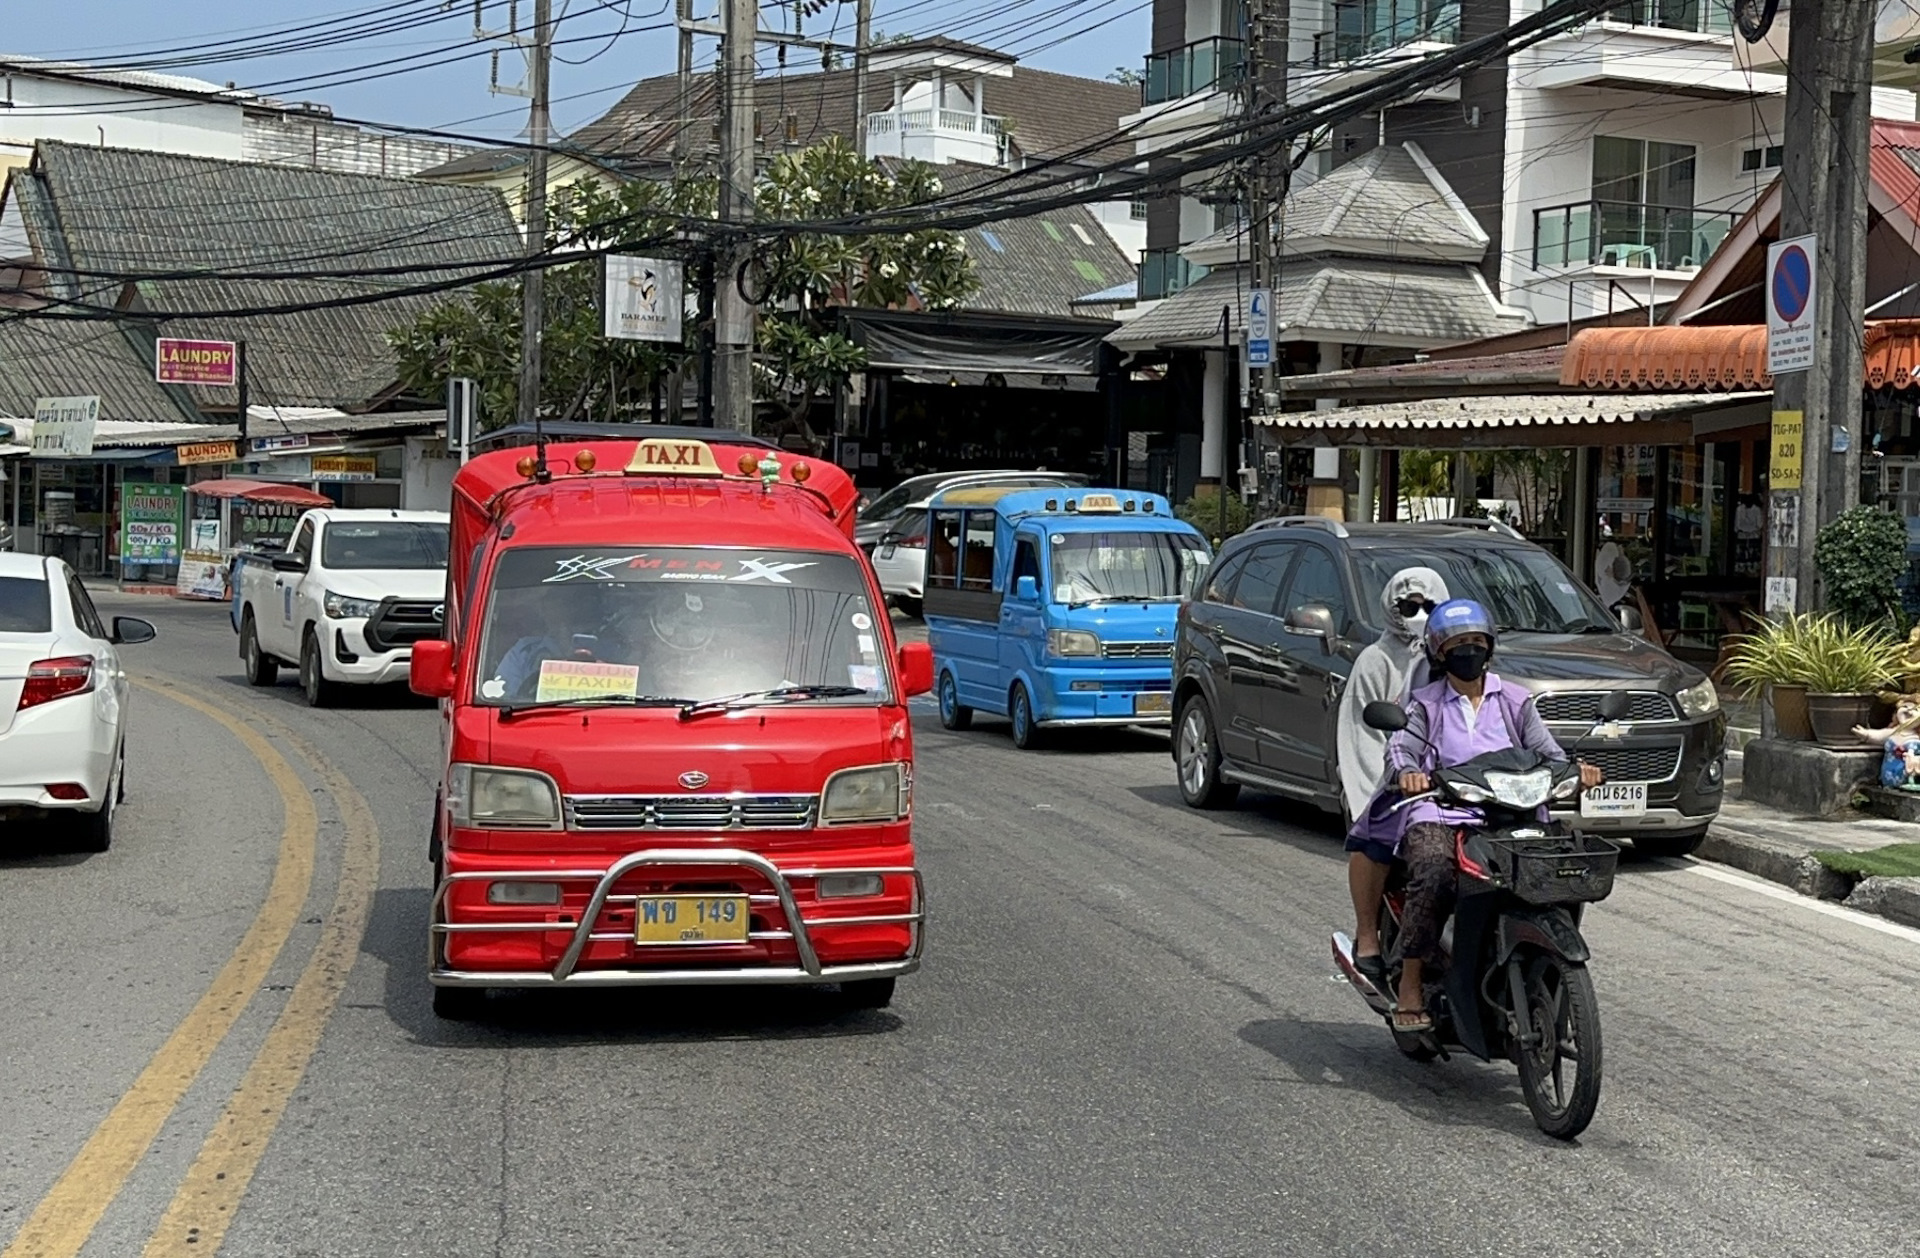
pixel 1264 648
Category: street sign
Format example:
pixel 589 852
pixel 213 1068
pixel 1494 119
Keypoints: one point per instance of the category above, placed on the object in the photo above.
pixel 463 411
pixel 193 362
pixel 206 452
pixel 63 427
pixel 1791 279
pixel 1259 328
pixel 642 299
pixel 1783 467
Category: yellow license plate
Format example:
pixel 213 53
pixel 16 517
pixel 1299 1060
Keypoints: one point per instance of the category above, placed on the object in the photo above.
pixel 1146 704
pixel 690 919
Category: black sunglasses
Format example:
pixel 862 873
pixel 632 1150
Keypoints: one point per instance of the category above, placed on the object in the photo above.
pixel 1414 606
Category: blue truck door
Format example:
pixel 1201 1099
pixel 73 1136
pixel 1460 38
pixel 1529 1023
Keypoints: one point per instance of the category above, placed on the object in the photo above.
pixel 1023 627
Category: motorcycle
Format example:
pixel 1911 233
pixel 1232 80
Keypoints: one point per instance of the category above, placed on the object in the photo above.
pixel 1514 982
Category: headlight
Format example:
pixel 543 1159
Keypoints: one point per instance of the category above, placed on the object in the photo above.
pixel 515 799
pixel 340 607
pixel 1700 700
pixel 1466 792
pixel 882 792
pixel 1072 642
pixel 1568 786
pixel 1522 790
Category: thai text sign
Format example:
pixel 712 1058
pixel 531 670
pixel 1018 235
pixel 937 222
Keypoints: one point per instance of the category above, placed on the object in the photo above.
pixel 150 521
pixel 643 300
pixel 582 679
pixel 1783 469
pixel 63 427
pixel 1792 271
pixel 206 452
pixel 193 362
pixel 343 467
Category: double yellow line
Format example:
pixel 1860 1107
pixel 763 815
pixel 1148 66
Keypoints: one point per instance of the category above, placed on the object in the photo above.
pixel 197 1220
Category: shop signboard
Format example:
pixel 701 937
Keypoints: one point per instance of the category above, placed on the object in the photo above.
pixel 643 299
pixel 63 427
pixel 1784 464
pixel 280 441
pixel 151 518
pixel 206 452
pixel 203 574
pixel 178 361
pixel 344 467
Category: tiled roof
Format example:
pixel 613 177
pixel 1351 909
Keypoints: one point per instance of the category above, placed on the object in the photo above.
pixel 48 356
pixel 1039 265
pixel 119 210
pixel 1733 356
pixel 1359 300
pixel 1454 414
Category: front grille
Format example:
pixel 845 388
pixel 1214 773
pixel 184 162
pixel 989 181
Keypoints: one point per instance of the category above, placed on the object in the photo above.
pixel 1137 650
pixel 1634 764
pixel 1583 706
pixel 403 622
pixel 691 812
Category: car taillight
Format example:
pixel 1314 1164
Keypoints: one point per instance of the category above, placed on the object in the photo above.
pixel 917 542
pixel 55 679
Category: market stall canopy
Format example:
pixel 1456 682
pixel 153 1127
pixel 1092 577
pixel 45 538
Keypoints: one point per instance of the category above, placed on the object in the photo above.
pixel 260 491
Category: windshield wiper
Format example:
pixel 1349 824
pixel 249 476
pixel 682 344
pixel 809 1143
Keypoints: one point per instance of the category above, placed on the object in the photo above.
pixel 690 709
pixel 593 701
pixel 1098 599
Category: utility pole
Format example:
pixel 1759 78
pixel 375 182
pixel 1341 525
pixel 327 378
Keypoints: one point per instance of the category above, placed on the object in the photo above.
pixel 1269 30
pixel 862 46
pixel 733 351
pixel 1823 192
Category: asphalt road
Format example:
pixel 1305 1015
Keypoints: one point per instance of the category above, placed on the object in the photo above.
pixel 1127 1040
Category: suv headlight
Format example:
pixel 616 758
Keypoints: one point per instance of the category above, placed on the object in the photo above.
pixel 504 799
pixel 1072 642
pixel 340 607
pixel 1700 700
pixel 881 792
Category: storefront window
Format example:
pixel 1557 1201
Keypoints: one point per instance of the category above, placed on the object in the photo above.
pixel 1625 503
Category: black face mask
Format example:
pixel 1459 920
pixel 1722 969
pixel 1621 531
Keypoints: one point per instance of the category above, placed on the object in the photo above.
pixel 1468 663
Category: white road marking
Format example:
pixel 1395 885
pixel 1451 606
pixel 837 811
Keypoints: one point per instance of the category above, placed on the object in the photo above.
pixel 1777 892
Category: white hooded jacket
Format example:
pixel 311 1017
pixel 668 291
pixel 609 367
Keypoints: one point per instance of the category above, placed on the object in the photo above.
pixel 1389 669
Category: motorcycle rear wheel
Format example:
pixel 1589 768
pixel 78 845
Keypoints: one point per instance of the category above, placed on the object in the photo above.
pixel 1560 1074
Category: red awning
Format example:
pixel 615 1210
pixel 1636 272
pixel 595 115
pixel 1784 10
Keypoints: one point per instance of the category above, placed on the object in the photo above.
pixel 260 491
pixel 1732 357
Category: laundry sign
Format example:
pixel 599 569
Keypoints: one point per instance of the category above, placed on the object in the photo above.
pixel 338 467
pixel 193 362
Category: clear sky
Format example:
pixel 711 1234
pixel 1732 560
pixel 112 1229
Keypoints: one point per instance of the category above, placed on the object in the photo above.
pixel 415 62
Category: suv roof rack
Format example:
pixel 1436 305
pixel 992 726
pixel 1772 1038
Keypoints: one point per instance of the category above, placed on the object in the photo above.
pixel 1302 521
pixel 1488 523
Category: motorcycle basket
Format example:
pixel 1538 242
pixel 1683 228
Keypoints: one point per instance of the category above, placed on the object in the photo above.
pixel 1555 869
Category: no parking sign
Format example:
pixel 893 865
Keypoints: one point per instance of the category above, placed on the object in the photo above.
pixel 1791 271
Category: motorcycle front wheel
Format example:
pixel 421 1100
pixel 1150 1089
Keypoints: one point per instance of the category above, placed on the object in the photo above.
pixel 1560 1067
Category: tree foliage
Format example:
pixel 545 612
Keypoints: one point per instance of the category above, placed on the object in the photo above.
pixel 1862 555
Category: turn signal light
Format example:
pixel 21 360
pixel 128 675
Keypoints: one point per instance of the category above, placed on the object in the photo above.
pixel 749 465
pixel 800 472
pixel 56 679
pixel 525 466
pixel 584 461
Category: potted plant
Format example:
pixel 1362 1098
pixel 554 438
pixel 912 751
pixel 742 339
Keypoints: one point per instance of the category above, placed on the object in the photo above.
pixel 1836 670
pixel 1765 664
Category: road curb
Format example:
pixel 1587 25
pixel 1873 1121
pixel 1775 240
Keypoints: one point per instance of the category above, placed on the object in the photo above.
pixel 1788 864
pixel 1896 899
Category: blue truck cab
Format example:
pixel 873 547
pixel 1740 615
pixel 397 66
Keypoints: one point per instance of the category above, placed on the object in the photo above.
pixel 1056 607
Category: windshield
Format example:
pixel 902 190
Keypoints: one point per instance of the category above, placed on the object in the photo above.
pixel 1129 565
pixel 1526 590
pixel 384 544
pixel 24 606
pixel 686 624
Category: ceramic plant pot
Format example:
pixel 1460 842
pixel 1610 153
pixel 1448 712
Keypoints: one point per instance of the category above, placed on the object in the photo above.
pixel 1834 716
pixel 1789 707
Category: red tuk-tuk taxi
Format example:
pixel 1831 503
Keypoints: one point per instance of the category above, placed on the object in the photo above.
pixel 678 746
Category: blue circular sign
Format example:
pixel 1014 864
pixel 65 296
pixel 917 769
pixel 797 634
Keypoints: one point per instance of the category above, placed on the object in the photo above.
pixel 1792 283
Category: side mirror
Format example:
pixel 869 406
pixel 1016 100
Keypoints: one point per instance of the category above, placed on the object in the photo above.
pixel 1614 705
pixel 1312 620
pixel 129 630
pixel 1026 589
pixel 1389 718
pixel 1629 617
pixel 916 667
pixel 430 672
pixel 287 562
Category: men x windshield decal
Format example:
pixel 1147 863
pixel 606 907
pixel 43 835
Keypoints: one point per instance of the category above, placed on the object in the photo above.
pixel 763 570
pixel 594 569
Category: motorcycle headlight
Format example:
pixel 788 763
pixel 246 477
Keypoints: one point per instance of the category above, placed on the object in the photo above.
pixel 1521 790
pixel 340 607
pixel 1467 793
pixel 1568 786
pixel 504 799
pixel 881 792
pixel 1072 642
pixel 1700 700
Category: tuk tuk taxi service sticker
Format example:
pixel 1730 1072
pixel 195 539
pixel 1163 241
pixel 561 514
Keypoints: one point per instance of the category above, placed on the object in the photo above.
pixel 584 679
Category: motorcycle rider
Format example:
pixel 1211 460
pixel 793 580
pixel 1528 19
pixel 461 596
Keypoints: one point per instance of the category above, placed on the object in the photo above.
pixel 1389 669
pixel 1450 721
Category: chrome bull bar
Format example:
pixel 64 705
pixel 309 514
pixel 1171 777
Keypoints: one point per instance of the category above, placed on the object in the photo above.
pixel 799 929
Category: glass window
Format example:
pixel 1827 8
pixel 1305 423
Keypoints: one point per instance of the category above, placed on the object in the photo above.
pixel 1026 560
pixel 1258 589
pixel 1316 580
pixel 84 614
pixel 1526 590
pixel 1644 195
pixel 1124 566
pixel 302 543
pixel 1626 511
pixel 943 550
pixel 1220 587
pixel 976 557
pixel 388 544
pixel 681 624
pixel 25 605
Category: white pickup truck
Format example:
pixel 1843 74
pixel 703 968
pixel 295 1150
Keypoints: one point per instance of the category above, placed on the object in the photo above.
pixel 345 601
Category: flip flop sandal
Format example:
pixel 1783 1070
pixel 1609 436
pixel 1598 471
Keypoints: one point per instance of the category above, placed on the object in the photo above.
pixel 1373 969
pixel 1412 1021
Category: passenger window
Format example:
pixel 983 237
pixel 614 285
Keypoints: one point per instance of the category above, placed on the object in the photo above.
pixel 976 558
pixel 1222 584
pixel 1026 562
pixel 1258 589
pixel 302 543
pixel 943 549
pixel 1316 580
pixel 83 613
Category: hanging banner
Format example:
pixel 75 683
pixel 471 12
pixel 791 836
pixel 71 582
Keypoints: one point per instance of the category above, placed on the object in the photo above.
pixel 63 427
pixel 206 452
pixel 1783 467
pixel 151 519
pixel 337 467
pixel 193 362
pixel 643 299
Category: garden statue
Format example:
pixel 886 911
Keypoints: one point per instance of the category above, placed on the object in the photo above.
pixel 1900 766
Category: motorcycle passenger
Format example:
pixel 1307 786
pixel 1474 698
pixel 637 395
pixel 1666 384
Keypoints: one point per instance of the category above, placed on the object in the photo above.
pixel 1449 722
pixel 1389 669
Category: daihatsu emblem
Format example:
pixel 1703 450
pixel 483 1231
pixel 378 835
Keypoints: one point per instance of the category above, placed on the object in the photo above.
pixel 693 779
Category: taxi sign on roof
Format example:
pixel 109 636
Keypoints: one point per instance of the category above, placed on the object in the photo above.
pixel 1099 502
pixel 682 457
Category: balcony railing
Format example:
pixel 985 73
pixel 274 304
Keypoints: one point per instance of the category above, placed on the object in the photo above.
pixel 1699 17
pixel 1163 272
pixel 1205 65
pixel 1360 28
pixel 1625 233
pixel 922 120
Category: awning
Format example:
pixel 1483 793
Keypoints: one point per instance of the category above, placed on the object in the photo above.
pixel 1733 356
pixel 1893 354
pixel 1570 419
pixel 260 491
pixel 944 342
pixel 8 452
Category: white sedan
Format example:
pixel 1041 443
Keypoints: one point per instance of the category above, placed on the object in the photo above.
pixel 63 700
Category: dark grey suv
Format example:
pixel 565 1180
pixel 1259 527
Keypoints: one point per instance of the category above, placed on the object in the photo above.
pixel 1264 648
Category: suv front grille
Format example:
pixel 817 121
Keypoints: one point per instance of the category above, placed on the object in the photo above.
pixel 1137 650
pixel 397 623
pixel 1583 706
pixel 1634 764
pixel 691 812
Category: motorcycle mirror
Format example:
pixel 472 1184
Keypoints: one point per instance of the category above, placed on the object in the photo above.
pixel 1389 718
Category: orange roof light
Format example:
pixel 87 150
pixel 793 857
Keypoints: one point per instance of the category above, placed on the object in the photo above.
pixel 525 466
pixel 800 472
pixel 584 461
pixel 749 465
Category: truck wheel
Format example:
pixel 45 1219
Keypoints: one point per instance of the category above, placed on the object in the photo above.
pixel 1668 844
pixel 954 714
pixel 1026 734
pixel 459 1004
pixel 262 669
pixel 867 993
pixel 1196 757
pixel 320 692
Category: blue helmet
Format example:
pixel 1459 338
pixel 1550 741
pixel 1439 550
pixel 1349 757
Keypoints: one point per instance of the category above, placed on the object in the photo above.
pixel 1454 617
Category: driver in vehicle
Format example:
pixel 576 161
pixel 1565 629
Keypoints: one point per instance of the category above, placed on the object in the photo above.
pixel 1449 721
pixel 566 622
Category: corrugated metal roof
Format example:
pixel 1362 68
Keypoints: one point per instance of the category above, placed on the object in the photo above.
pixel 24 65
pixel 112 434
pixel 1555 410
pixel 50 356
pixel 1038 265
